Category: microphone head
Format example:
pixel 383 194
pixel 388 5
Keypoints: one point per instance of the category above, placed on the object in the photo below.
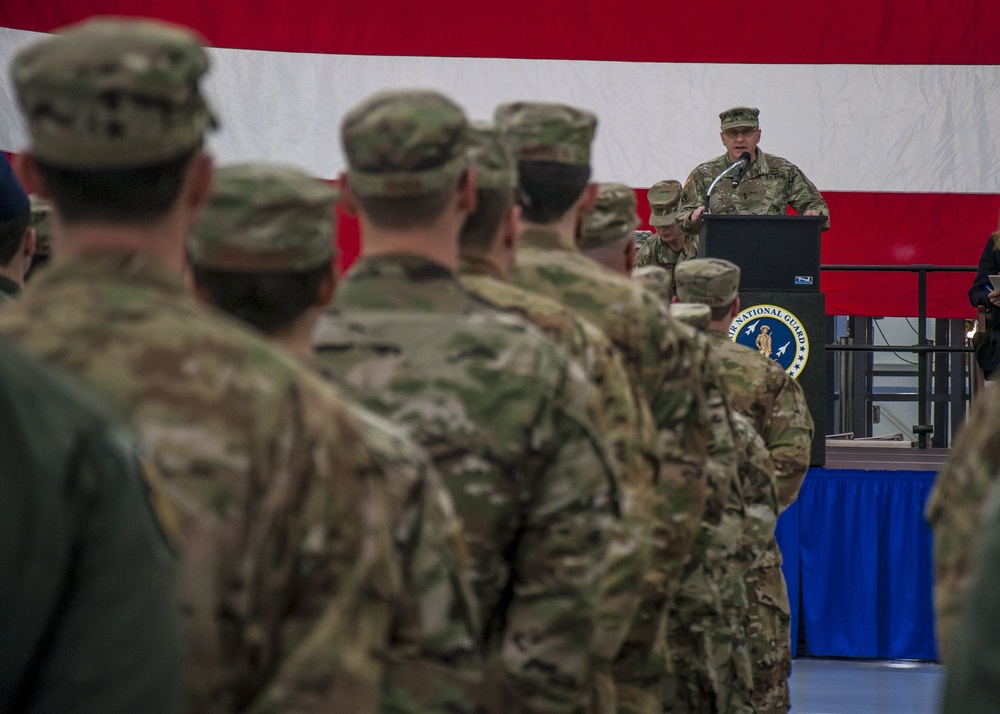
pixel 745 157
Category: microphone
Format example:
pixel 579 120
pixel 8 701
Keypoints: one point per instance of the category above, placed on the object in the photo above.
pixel 741 167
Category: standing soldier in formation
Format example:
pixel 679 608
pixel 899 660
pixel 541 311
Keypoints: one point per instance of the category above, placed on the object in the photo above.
pixel 263 253
pixel 488 247
pixel 708 649
pixel 552 145
pixel 770 183
pixel 87 610
pixel 669 246
pixel 17 236
pixel 761 390
pixel 505 416
pixel 288 573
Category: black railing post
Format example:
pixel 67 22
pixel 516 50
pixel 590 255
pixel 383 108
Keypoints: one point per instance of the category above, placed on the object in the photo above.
pixel 923 427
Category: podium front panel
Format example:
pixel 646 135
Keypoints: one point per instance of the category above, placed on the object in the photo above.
pixel 775 253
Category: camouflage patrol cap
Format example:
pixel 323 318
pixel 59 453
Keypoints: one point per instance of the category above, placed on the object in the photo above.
pixel 404 143
pixel 739 116
pixel 547 132
pixel 710 281
pixel 612 218
pixel 664 197
pixel 658 278
pixel 697 315
pixel 113 93
pixel 264 217
pixel 489 154
pixel 41 211
pixel 13 200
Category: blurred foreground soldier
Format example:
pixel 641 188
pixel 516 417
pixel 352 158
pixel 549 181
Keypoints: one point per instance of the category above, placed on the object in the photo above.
pixel 769 183
pixel 263 253
pixel 669 246
pixel 706 633
pixel 761 390
pixel 286 549
pixel 86 604
pixel 756 513
pixel 17 237
pixel 488 245
pixel 504 415
pixel 552 144
pixel 41 210
pixel 972 674
pixel 955 512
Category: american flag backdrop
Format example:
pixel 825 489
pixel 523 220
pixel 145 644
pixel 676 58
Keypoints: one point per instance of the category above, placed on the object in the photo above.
pixel 892 108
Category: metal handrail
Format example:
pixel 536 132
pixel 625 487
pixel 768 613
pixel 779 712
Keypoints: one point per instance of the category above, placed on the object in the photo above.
pixel 924 428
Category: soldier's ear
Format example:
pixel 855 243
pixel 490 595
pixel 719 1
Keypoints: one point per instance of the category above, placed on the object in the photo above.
pixel 588 198
pixel 734 309
pixel 467 196
pixel 26 169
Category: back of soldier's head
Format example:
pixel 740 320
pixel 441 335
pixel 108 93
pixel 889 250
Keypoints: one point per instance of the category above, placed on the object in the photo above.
pixel 114 115
pixel 265 243
pixel 406 153
pixel 496 183
pixel 709 281
pixel 15 213
pixel 551 143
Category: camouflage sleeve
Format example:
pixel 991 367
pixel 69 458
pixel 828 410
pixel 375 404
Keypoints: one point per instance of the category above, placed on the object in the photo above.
pixel 954 512
pixel 680 411
pixel 432 663
pixel 571 507
pixel 973 660
pixel 692 196
pixel 647 253
pixel 326 536
pixel 789 438
pixel 804 196
pixel 760 491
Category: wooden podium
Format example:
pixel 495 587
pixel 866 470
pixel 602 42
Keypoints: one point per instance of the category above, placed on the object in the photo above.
pixel 782 311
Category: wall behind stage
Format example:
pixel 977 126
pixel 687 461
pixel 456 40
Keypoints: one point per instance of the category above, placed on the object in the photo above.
pixel 887 107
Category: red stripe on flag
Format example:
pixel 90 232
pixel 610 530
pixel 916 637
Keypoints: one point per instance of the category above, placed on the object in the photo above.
pixel 923 232
pixel 783 32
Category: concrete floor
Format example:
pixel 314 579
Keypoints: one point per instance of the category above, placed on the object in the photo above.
pixel 826 686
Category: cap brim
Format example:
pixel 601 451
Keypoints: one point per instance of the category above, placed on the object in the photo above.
pixel 661 221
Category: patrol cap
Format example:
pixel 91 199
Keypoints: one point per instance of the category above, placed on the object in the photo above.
pixel 489 154
pixel 641 236
pixel 41 212
pixel 697 315
pixel 656 278
pixel 664 198
pixel 540 131
pixel 113 93
pixel 404 143
pixel 13 200
pixel 612 217
pixel 710 281
pixel 740 116
pixel 265 217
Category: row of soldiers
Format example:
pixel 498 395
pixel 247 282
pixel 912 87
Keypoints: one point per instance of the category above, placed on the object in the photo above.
pixel 496 473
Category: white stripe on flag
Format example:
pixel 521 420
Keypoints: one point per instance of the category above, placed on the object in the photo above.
pixel 862 128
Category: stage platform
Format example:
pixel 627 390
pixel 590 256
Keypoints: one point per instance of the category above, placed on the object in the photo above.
pixel 857 555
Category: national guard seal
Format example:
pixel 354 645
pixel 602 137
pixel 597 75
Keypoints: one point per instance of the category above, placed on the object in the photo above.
pixel 775 333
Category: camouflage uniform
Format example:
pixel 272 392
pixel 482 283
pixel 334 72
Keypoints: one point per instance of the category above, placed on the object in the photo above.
pixel 626 422
pixel 87 611
pixel 505 416
pixel 972 673
pixel 660 361
pixel 761 390
pixel 770 184
pixel 663 198
pixel 288 573
pixel 264 219
pixel 955 512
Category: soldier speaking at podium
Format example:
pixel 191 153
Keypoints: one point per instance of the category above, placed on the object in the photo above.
pixel 755 183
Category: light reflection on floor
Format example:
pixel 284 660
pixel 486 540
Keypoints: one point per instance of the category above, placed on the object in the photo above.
pixel 829 686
